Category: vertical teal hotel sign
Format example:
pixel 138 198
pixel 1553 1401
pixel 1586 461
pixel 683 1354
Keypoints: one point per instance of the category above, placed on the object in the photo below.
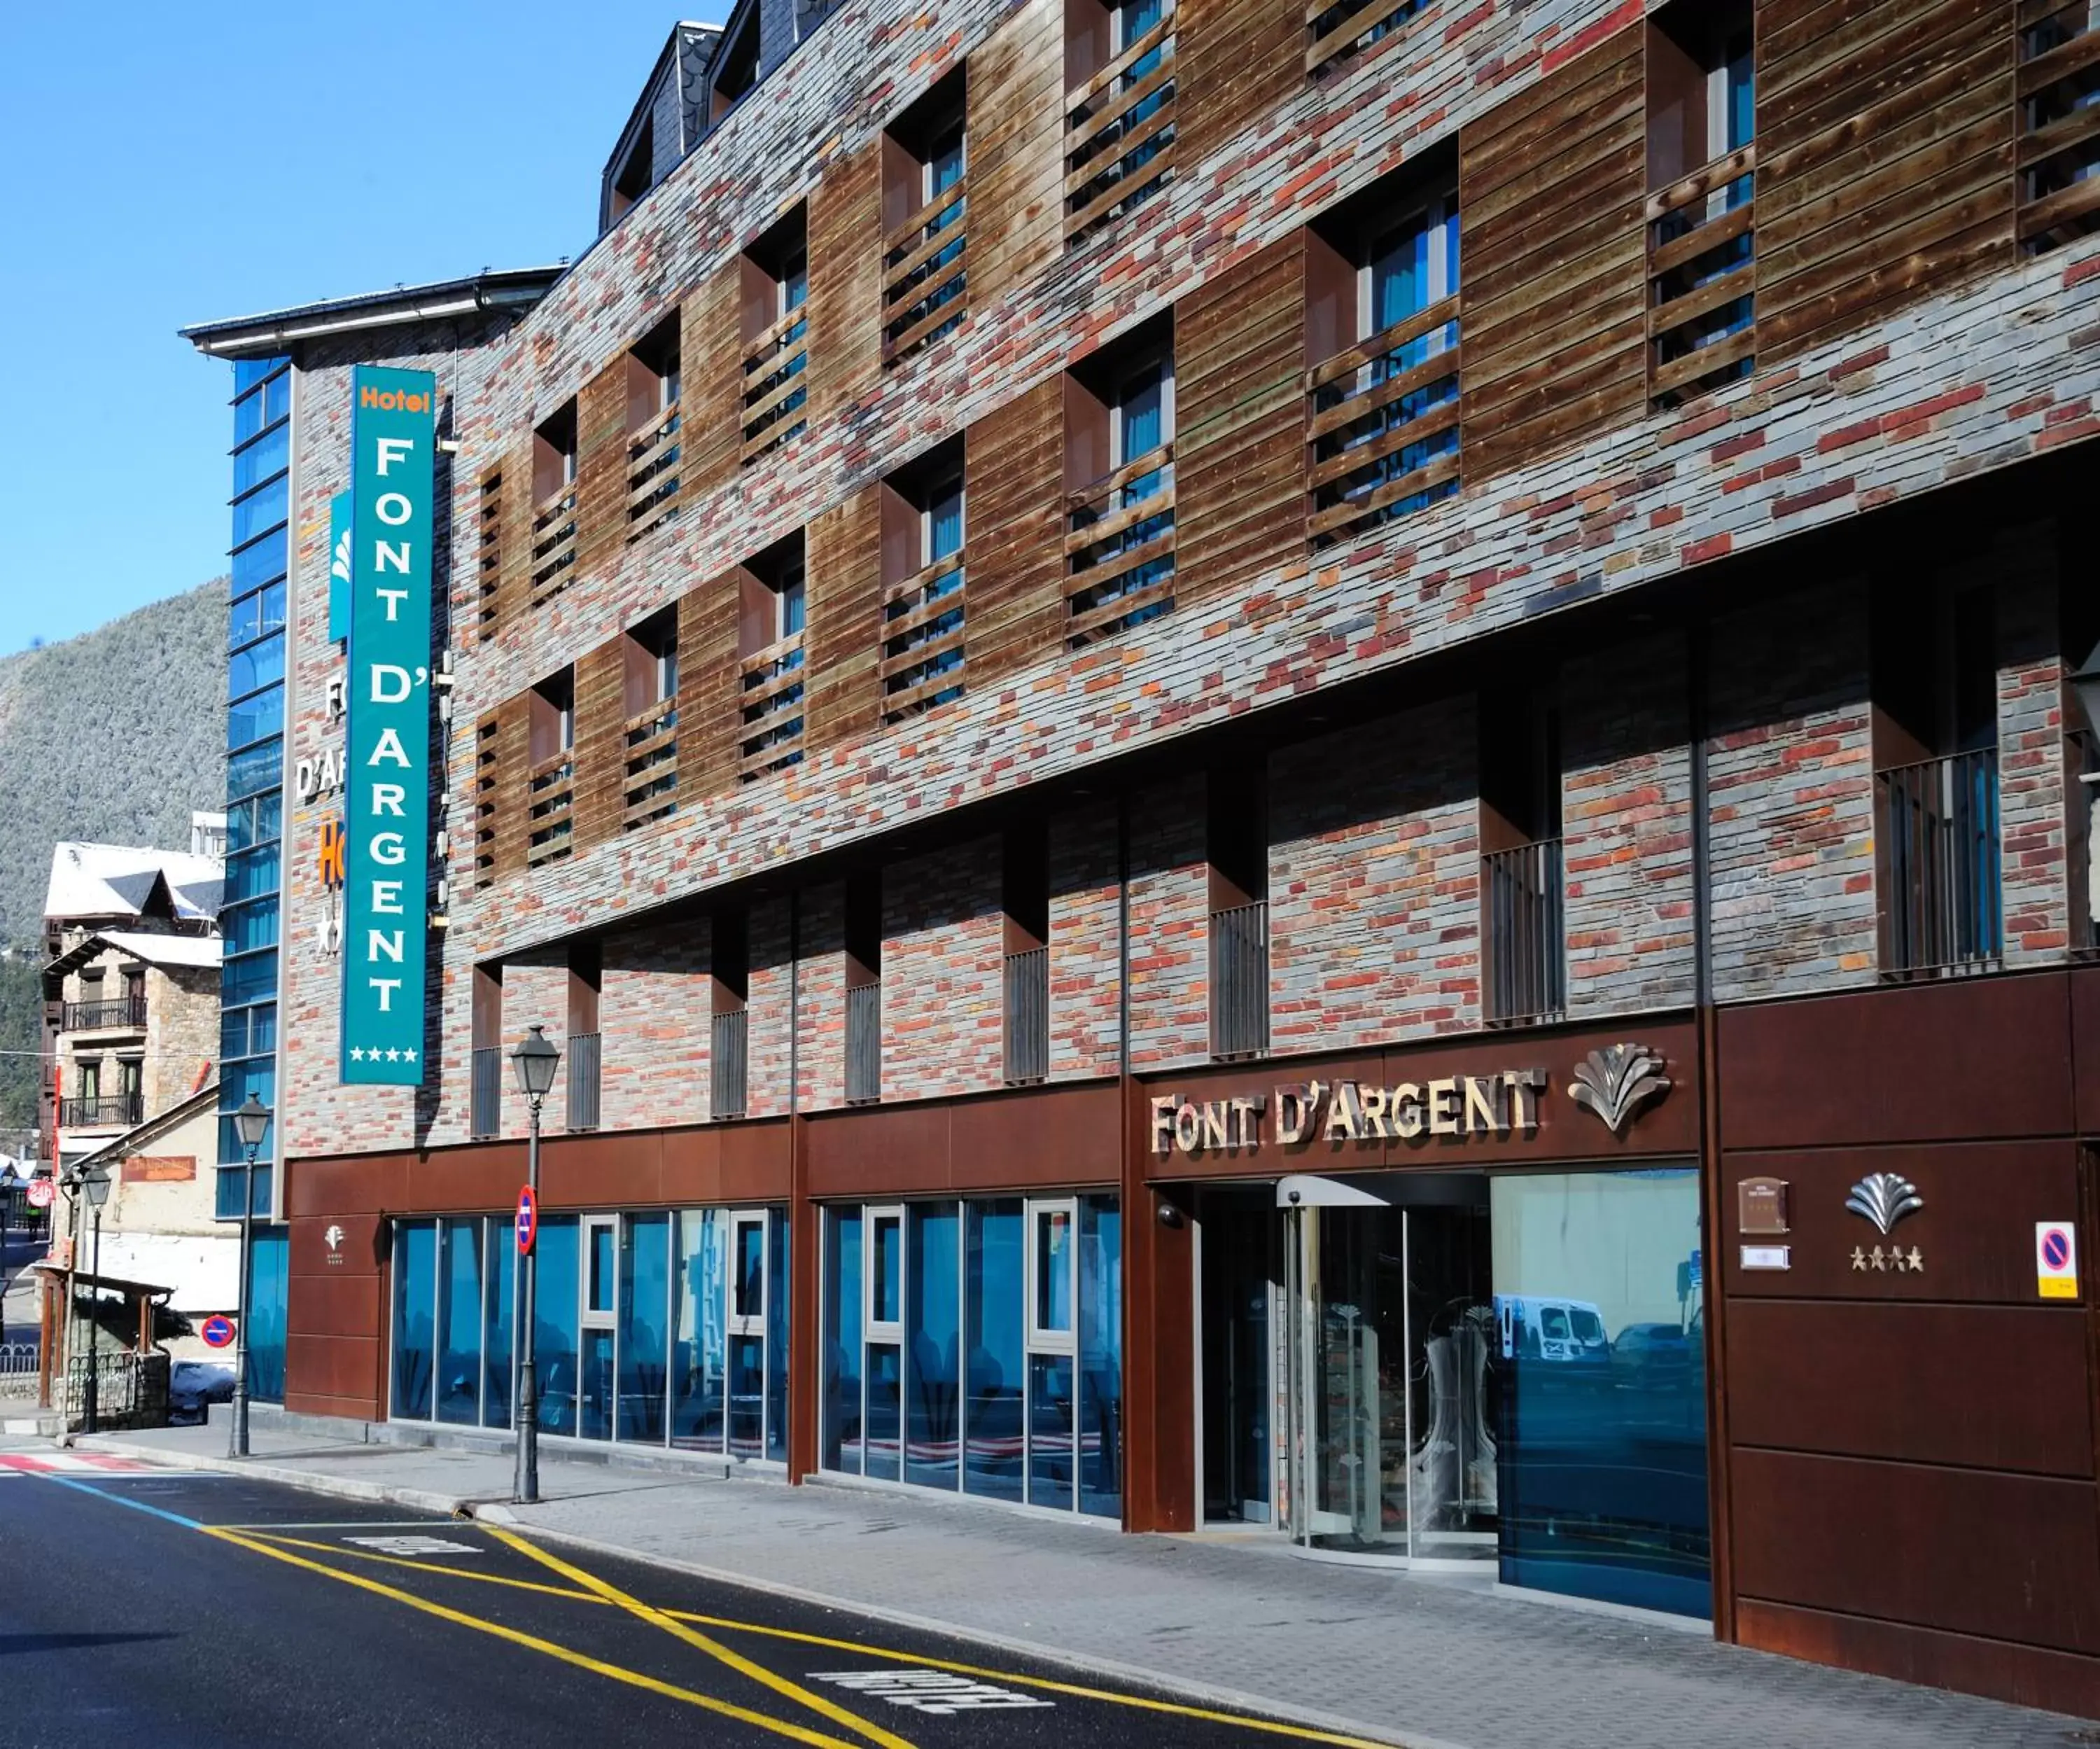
pixel 393 435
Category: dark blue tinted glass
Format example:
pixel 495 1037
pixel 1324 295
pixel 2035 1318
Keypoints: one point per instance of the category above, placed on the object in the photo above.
pixel 840 1441
pixel 261 561
pixel 415 1300
pixel 698 1299
pixel 497 1357
pixel 269 1284
pixel 645 1288
pixel 263 509
pixel 459 1319
pixel 933 1339
pixel 269 454
pixel 253 718
pixel 251 872
pixel 994 1303
pixel 554 1323
pixel 776 1341
pixel 260 664
pixel 1100 1356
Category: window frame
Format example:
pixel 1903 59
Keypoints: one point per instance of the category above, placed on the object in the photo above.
pixel 1043 1339
pixel 877 1331
pixel 736 1323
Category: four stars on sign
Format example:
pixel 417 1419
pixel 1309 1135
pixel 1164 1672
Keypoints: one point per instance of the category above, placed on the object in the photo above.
pixel 358 1054
pixel 1894 1259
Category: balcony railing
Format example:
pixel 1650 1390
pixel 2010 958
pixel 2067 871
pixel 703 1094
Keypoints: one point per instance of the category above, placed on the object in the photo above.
pixel 583 1080
pixel 728 1065
pixel 123 1013
pixel 1239 981
pixel 651 786
pixel 863 1044
pixel 1941 907
pixel 489 555
pixel 2085 800
pixel 1119 133
pixel 771 709
pixel 924 279
pixel 554 543
pixel 652 475
pixel 1525 974
pixel 1028 1015
pixel 485 1117
pixel 1120 549
pixel 1384 424
pixel 776 383
pixel 102 1111
pixel 550 810
pixel 1335 31
pixel 2059 123
pixel 922 639
pixel 487 795
pixel 1702 327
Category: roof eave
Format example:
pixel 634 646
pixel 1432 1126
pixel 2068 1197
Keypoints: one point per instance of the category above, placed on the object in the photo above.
pixel 272 330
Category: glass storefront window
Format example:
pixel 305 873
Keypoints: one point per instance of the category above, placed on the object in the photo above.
pixel 933 1335
pixel 1050 1264
pixel 1100 1356
pixel 596 1384
pixel 497 1359
pixel 885 1267
pixel 269 1282
pixel 839 1429
pixel 993 1444
pixel 459 1321
pixel 776 1341
pixel 554 1323
pixel 699 1344
pixel 645 1287
pixel 415 1296
pixel 1050 1430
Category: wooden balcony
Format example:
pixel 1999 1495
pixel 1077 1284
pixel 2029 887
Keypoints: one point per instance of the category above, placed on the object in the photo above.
pixel 489 555
pixel 550 795
pixel 487 792
pixel 776 384
pixel 1120 134
pixel 1120 549
pixel 925 277
pixel 922 639
pixel 554 543
pixel 1334 33
pixel 1383 419
pixel 651 787
pixel 771 707
pixel 2059 123
pixel 1702 278
pixel 652 475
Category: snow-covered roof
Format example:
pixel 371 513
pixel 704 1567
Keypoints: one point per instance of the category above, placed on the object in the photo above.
pixel 92 881
pixel 164 950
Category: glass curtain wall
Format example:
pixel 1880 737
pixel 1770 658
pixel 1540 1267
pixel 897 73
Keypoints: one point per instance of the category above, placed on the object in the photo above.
pixel 977 1346
pixel 642 1332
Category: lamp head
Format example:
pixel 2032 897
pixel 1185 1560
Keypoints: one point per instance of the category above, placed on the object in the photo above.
pixel 251 1123
pixel 96 1184
pixel 532 1061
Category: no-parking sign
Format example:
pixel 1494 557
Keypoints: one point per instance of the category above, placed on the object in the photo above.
pixel 41 1193
pixel 528 1221
pixel 217 1332
pixel 2056 1260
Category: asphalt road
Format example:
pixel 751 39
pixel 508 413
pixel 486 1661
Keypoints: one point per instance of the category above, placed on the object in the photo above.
pixel 148 1608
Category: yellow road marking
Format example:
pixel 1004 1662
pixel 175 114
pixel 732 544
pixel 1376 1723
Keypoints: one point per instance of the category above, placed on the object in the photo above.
pixel 736 1661
pixel 581 1661
pixel 1141 1702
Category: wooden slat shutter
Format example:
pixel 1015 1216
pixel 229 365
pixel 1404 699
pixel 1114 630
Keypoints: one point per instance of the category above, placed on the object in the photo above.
pixel 845 281
pixel 499 760
pixel 602 466
pixel 1013 547
pixel 601 741
pixel 1239 57
pixel 707 686
pixel 844 640
pixel 1239 442
pixel 1016 97
pixel 1885 157
pixel 1551 187
pixel 711 367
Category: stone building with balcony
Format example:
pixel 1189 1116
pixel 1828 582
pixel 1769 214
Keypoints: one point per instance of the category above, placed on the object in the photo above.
pixel 1310 769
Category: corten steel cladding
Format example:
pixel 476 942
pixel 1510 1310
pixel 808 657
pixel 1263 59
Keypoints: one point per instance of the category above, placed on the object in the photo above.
pixel 386 810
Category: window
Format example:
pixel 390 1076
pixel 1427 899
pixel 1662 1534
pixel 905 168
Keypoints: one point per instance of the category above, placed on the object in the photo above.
pixel 923 577
pixel 1119 109
pixel 632 178
pixel 771 612
pixel 654 425
pixel 776 292
pixel 1051 1252
pixel 131 1076
pixel 595 1379
pixel 1119 473
pixel 923 212
pixel 88 1084
pixel 554 554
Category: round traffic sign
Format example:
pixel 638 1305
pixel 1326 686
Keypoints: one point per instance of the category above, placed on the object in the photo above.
pixel 528 1220
pixel 41 1193
pixel 217 1330
pixel 2056 1248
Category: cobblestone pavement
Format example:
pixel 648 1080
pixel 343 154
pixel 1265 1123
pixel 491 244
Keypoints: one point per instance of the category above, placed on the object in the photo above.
pixel 1420 1661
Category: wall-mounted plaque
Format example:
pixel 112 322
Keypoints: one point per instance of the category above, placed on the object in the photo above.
pixel 1761 1205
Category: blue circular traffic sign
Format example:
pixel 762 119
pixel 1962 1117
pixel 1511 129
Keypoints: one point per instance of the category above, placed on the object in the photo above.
pixel 217 1330
pixel 2055 1250
pixel 528 1221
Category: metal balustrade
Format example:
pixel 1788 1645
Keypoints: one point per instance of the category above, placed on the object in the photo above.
pixel 863 1044
pixel 1525 977
pixel 1239 981
pixel 1383 422
pixel 485 1109
pixel 1702 327
pixel 1942 910
pixel 583 1059
pixel 102 1111
pixel 123 1013
pixel 1028 1015
pixel 728 1065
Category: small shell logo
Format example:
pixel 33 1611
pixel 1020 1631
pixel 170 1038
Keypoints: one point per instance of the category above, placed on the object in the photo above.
pixel 1884 1197
pixel 339 564
pixel 334 1238
pixel 1616 1081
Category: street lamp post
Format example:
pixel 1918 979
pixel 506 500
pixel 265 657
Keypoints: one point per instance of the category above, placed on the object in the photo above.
pixel 96 1183
pixel 251 1123
pixel 533 1063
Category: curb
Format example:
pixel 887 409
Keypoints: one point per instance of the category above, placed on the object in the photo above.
pixel 502 1513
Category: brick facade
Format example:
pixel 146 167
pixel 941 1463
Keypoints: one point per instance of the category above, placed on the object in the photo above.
pixel 943 959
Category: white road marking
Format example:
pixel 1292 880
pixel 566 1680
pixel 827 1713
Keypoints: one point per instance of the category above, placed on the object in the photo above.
pixel 413 1545
pixel 936 1691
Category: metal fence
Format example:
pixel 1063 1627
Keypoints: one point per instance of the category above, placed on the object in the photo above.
pixel 864 1044
pixel 18 1369
pixel 131 1390
pixel 1526 966
pixel 1941 908
pixel 486 1118
pixel 1239 981
pixel 583 1080
pixel 1028 1015
pixel 727 1064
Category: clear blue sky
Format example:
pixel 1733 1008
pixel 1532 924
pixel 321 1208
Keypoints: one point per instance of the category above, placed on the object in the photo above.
pixel 164 165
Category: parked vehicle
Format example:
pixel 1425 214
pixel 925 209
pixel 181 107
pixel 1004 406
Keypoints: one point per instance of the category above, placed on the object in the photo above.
pixel 194 1384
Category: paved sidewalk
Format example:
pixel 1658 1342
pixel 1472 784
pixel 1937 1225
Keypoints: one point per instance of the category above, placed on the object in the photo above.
pixel 1416 1661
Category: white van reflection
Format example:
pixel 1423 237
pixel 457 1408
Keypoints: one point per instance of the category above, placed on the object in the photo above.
pixel 1543 1327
